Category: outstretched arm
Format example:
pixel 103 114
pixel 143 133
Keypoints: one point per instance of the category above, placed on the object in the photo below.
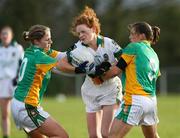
pixel 64 66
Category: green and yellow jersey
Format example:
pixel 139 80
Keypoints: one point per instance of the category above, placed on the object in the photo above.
pixel 34 75
pixel 141 72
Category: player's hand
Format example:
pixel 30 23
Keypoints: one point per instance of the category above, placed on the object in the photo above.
pixel 102 68
pixel 97 80
pixel 81 68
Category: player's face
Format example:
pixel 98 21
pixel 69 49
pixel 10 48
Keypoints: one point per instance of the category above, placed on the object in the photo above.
pixel 134 36
pixel 85 34
pixel 46 41
pixel 6 36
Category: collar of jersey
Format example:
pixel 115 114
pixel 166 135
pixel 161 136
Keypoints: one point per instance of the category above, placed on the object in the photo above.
pixel 99 42
pixel 13 43
pixel 36 47
pixel 146 42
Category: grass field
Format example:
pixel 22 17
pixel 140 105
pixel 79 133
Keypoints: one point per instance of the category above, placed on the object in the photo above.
pixel 71 114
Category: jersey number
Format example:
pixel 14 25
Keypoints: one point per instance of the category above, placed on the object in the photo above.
pixel 153 67
pixel 22 69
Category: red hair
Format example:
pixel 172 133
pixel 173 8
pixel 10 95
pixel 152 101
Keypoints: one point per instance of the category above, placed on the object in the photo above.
pixel 87 17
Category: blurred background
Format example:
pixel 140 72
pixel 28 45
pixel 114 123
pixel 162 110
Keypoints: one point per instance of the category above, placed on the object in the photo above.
pixel 114 16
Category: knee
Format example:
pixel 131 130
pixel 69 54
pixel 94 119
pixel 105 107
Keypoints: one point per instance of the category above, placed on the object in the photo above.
pixel 5 117
pixel 64 136
pixel 67 136
pixel 157 136
pixel 60 134
pixel 104 134
pixel 153 136
pixel 93 135
pixel 112 135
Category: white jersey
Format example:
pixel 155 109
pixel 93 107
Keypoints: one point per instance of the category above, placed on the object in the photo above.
pixel 9 60
pixel 108 50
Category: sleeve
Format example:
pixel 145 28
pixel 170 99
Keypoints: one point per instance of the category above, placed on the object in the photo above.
pixel 117 50
pixel 129 53
pixel 121 64
pixel 61 55
pixel 57 71
pixel 44 62
pixel 68 53
pixel 20 52
pixel 52 53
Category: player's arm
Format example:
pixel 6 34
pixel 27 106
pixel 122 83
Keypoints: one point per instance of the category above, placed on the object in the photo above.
pixel 61 70
pixel 115 70
pixel 64 66
pixel 125 59
pixel 46 63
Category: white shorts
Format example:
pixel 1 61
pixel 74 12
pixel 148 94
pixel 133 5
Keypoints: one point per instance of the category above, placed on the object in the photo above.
pixel 6 88
pixel 143 111
pixel 26 116
pixel 95 96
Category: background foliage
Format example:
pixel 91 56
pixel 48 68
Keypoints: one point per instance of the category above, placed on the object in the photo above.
pixel 114 16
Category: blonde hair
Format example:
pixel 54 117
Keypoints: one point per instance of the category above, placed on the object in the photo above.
pixel 88 17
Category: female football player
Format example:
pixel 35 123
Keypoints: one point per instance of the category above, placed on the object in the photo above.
pixel 99 97
pixel 34 75
pixel 139 65
pixel 11 53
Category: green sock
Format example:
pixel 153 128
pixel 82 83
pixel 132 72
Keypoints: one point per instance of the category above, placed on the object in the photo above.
pixel 5 136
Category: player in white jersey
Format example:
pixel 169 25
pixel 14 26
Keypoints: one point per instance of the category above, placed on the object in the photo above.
pixel 99 97
pixel 10 55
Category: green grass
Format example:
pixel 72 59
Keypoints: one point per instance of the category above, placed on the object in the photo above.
pixel 71 115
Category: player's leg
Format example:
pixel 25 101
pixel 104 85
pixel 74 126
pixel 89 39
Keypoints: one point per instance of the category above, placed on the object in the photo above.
pixel 108 112
pixel 156 132
pixel 94 124
pixel 35 135
pixel 149 117
pixel 35 121
pixel 148 131
pixel 5 115
pixel 125 118
pixel 151 130
pixel 49 128
pixel 119 129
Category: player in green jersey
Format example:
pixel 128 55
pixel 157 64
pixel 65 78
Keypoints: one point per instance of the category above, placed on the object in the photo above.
pixel 34 75
pixel 139 65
